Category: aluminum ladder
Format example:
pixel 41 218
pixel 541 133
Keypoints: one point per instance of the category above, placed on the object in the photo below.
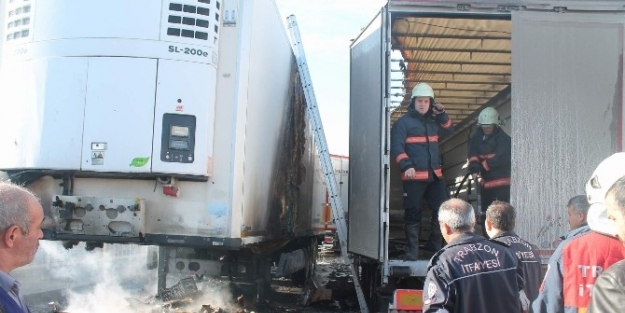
pixel 324 155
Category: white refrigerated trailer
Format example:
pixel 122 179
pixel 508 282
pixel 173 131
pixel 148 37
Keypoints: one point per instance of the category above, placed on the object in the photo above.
pixel 325 219
pixel 553 70
pixel 176 123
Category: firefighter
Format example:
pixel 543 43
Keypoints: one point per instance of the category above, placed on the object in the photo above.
pixel 500 223
pixel 471 274
pixel 608 294
pixel 490 158
pixel 587 251
pixel 415 146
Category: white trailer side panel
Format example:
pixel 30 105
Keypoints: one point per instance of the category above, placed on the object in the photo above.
pixel 341 174
pixel 567 98
pixel 323 218
pixel 118 129
pixel 367 138
pixel 269 52
pixel 35 132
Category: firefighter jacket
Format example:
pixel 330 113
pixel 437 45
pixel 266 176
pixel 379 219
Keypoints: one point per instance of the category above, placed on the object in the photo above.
pixel 415 142
pixel 490 156
pixel 528 258
pixel 609 291
pixel 573 270
pixel 472 274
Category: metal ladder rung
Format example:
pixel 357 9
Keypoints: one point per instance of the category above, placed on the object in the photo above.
pixel 324 155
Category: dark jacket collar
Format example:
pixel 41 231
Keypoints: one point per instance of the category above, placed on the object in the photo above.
pixel 464 238
pixel 505 234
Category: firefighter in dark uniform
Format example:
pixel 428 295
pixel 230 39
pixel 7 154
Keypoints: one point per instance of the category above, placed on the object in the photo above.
pixel 415 147
pixel 471 274
pixel 500 222
pixel 490 158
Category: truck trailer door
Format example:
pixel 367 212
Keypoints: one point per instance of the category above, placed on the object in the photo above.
pixel 367 139
pixel 567 98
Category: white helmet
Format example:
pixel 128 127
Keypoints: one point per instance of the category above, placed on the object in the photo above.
pixel 606 174
pixel 422 90
pixel 488 116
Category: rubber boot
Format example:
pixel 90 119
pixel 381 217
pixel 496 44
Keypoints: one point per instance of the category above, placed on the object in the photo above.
pixel 412 235
pixel 435 240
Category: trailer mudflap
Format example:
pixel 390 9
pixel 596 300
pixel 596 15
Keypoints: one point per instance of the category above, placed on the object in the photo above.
pixel 407 300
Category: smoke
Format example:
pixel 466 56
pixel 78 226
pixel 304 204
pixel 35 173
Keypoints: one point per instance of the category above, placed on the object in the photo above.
pixel 216 293
pixel 114 278
pixel 105 297
pixel 108 279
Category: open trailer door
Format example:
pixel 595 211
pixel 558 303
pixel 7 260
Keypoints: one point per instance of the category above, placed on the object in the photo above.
pixel 367 134
pixel 567 98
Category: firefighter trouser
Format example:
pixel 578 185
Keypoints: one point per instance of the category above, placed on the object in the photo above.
pixel 491 194
pixel 434 192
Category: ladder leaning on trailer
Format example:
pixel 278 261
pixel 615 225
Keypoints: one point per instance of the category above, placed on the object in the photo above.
pixel 324 155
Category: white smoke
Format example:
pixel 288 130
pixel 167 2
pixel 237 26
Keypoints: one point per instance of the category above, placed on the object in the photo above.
pixel 216 293
pixel 115 278
pixel 106 279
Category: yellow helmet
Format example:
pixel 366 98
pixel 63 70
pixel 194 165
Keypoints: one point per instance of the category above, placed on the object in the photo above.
pixel 488 116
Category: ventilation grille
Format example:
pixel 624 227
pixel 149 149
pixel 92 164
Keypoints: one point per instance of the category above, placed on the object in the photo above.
pixel 18 20
pixel 194 19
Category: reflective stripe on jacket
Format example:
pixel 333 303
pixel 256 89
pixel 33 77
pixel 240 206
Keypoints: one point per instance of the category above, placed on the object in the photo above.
pixel 573 270
pixel 415 142
pixel 490 156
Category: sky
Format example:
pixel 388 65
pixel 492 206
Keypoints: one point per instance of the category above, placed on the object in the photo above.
pixel 326 27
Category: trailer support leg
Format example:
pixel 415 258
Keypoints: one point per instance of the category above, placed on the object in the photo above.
pixel 162 269
pixel 263 281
